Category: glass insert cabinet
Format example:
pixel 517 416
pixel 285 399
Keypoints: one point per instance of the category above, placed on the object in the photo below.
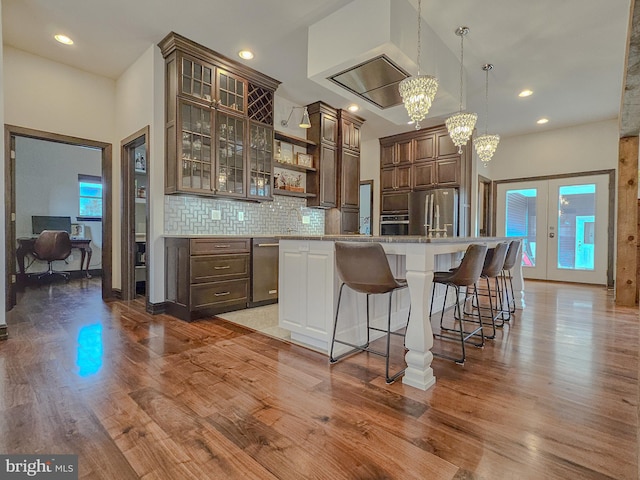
pixel 219 124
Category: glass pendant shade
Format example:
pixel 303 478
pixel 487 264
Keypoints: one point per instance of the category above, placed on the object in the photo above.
pixel 418 92
pixel 417 95
pixel 486 146
pixel 461 124
pixel 460 127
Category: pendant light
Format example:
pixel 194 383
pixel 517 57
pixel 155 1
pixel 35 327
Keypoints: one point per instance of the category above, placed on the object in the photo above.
pixel 486 144
pixel 461 124
pixel 418 92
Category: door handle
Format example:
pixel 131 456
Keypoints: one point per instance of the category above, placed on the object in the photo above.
pixel 551 235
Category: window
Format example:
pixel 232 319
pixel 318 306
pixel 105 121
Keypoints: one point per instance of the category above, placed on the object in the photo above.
pixel 89 197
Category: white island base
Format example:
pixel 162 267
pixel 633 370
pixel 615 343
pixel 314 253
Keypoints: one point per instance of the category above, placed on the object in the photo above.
pixel 308 293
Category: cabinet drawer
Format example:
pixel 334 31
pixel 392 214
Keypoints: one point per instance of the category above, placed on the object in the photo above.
pixel 208 268
pixel 211 246
pixel 219 294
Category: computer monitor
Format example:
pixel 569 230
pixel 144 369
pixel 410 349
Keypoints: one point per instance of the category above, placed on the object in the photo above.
pixel 41 222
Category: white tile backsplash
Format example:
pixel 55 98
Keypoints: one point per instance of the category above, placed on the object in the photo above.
pixel 186 215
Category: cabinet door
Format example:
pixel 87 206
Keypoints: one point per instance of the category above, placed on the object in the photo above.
pixel 349 221
pixel 329 129
pixel 394 202
pixel 387 179
pixel 387 155
pixel 404 152
pixel 355 137
pixel 448 171
pixel 328 180
pixel 403 177
pixel 260 161
pixel 346 128
pixel 196 79
pixel 425 148
pixel 229 178
pixel 423 175
pixel 445 145
pixel 231 91
pixel 195 151
pixel 350 180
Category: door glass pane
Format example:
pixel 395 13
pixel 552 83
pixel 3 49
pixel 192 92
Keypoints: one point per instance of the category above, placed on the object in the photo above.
pixel 576 226
pixel 520 221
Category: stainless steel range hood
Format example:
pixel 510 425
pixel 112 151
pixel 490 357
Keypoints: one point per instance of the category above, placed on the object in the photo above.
pixel 375 80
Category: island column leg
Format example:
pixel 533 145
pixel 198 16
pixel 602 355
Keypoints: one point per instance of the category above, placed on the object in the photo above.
pixel 419 337
pixel 518 282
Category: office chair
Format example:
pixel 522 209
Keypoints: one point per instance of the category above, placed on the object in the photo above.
pixel 52 245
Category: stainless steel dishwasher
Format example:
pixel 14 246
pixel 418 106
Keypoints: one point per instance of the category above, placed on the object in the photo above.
pixel 264 271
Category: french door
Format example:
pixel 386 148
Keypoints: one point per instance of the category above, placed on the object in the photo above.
pixel 564 223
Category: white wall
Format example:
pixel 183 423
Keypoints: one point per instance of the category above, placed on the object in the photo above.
pixel 134 111
pixel 370 170
pixel 587 147
pixel 47 184
pixel 45 95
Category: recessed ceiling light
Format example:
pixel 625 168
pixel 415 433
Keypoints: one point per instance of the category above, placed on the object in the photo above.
pixel 63 39
pixel 353 108
pixel 245 54
pixel 542 121
pixel 525 93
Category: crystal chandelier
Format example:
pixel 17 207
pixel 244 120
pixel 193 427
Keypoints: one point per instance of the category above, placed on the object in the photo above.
pixel 486 144
pixel 419 91
pixel 460 125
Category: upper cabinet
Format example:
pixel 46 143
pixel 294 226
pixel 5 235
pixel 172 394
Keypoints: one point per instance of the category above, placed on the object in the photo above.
pixel 219 123
pixel 419 160
pixel 323 183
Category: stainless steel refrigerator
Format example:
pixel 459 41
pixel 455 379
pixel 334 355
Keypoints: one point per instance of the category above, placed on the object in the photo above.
pixel 434 212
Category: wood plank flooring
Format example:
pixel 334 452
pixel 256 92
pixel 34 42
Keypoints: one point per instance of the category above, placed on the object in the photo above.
pixel 554 396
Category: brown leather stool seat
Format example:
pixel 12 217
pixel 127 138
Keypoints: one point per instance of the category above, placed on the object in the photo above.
pixel 364 268
pixel 466 275
pixel 52 245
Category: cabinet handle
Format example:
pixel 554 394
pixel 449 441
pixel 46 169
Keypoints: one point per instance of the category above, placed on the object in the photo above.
pixel 222 294
pixel 222 246
pixel 222 268
pixel 268 245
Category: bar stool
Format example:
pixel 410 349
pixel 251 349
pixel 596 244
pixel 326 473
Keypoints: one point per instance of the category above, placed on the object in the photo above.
pixel 364 268
pixel 492 269
pixel 465 275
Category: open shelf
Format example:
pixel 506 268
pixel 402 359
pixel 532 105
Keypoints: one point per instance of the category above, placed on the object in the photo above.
pixel 289 193
pixel 301 142
pixel 292 166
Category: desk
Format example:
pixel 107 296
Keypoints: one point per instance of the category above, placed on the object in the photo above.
pixel 25 247
pixel 308 286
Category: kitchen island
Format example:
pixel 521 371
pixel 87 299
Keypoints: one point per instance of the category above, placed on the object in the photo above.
pixel 309 284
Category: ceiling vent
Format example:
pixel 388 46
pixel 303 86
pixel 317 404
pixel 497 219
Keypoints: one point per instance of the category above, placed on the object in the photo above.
pixel 375 80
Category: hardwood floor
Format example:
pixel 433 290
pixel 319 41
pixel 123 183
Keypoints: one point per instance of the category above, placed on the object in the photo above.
pixel 554 396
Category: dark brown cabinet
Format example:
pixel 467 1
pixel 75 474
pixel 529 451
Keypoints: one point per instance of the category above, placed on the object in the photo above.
pixel 422 160
pixel 323 183
pixel 206 275
pixel 219 123
pixel 396 178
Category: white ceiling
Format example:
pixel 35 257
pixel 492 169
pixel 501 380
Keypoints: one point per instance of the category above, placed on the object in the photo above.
pixel 571 53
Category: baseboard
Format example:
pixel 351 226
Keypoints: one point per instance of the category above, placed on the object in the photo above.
pixel 156 308
pixel 4 333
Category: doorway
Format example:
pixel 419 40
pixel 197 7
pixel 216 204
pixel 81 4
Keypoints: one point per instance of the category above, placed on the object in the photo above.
pixel 366 207
pixel 11 134
pixel 135 212
pixel 565 223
